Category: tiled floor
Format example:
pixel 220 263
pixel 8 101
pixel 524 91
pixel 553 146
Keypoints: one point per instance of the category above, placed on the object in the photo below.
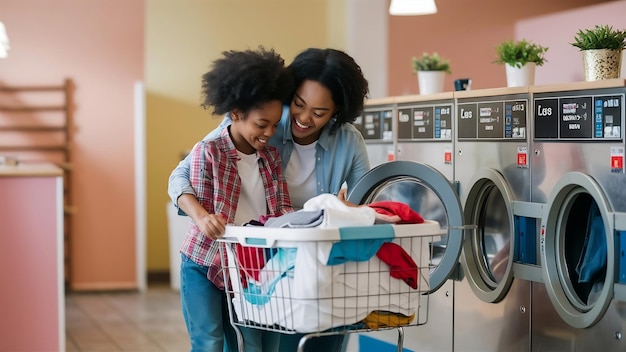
pixel 125 321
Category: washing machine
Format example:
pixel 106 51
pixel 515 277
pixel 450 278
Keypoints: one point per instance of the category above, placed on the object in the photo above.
pixel 424 134
pixel 430 193
pixel 578 173
pixel 376 126
pixel 492 300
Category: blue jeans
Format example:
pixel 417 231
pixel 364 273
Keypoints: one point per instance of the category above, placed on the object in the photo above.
pixel 257 340
pixel 206 315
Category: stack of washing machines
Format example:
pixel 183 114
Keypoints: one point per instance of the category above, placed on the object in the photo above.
pixel 531 183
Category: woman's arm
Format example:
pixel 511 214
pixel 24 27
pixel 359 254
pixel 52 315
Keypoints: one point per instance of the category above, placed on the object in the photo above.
pixel 178 183
pixel 360 162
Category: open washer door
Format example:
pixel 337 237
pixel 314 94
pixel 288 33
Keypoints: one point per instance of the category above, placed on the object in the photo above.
pixel 566 232
pixel 428 192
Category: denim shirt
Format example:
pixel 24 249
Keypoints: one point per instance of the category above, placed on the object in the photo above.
pixel 339 158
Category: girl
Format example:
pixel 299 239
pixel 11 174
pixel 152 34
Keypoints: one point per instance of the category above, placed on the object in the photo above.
pixel 250 86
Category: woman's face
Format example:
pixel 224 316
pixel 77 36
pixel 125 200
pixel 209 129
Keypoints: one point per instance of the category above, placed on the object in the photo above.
pixel 311 109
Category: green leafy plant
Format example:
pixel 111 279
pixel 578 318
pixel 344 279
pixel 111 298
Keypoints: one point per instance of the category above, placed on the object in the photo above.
pixel 600 37
pixel 430 62
pixel 519 53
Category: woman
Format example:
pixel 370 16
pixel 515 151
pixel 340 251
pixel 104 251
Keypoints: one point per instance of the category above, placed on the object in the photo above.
pixel 320 148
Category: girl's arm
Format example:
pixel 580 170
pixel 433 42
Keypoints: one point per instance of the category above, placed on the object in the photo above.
pixel 197 207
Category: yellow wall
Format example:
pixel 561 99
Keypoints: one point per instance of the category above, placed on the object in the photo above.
pixel 182 38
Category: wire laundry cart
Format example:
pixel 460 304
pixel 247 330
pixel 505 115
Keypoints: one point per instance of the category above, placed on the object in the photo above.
pixel 328 281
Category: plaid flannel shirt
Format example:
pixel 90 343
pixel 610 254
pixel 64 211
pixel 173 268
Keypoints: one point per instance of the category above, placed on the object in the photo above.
pixel 215 179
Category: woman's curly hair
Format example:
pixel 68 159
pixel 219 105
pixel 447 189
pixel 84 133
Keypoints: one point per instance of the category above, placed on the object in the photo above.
pixel 246 79
pixel 338 72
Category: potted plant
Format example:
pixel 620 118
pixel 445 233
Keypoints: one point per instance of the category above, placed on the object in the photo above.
pixel 602 48
pixel 431 70
pixel 520 59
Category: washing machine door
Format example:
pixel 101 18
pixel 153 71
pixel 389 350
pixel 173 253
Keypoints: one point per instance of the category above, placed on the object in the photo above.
pixel 487 256
pixel 426 191
pixel 578 250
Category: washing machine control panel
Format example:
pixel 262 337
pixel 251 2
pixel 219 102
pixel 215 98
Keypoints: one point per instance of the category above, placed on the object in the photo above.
pixel 502 118
pixel 579 116
pixel 432 121
pixel 375 124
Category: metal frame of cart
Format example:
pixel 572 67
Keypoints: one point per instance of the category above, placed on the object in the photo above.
pixel 328 281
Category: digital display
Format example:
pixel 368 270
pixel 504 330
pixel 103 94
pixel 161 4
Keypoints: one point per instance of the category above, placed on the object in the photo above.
pixel 515 113
pixel 405 122
pixel 490 120
pixel 423 124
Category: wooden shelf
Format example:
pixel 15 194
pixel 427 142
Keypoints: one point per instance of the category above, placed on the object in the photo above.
pixel 18 89
pixel 31 108
pixel 35 148
pixel 32 128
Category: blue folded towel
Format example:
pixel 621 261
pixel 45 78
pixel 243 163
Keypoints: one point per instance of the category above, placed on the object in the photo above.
pixel 593 256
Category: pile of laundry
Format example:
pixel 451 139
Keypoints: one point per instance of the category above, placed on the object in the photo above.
pixel 311 286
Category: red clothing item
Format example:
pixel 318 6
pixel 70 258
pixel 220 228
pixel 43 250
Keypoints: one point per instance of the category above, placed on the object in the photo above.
pixel 401 265
pixel 406 214
pixel 250 260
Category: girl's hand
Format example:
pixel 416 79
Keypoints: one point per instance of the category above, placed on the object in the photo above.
pixel 212 225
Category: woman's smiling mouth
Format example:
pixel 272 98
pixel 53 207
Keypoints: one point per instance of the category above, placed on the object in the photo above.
pixel 300 125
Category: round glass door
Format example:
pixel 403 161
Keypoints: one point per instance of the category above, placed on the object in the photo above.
pixel 427 192
pixel 488 251
pixel 578 251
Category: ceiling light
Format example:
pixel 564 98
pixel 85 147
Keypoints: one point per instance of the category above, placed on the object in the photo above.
pixel 412 7
pixel 4 42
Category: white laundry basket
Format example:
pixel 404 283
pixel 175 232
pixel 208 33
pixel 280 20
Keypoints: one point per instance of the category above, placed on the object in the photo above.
pixel 282 279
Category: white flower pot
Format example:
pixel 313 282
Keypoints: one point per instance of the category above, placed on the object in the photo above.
pixel 602 64
pixel 430 82
pixel 520 77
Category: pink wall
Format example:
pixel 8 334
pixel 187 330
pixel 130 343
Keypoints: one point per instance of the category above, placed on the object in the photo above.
pixel 466 32
pixel 565 62
pixel 99 45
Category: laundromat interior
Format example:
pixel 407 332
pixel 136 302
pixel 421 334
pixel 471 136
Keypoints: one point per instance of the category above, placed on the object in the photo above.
pixel 534 205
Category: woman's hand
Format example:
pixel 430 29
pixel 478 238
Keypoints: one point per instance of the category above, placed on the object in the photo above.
pixel 342 195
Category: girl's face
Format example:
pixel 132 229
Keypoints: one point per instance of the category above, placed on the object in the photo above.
pixel 311 109
pixel 251 132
